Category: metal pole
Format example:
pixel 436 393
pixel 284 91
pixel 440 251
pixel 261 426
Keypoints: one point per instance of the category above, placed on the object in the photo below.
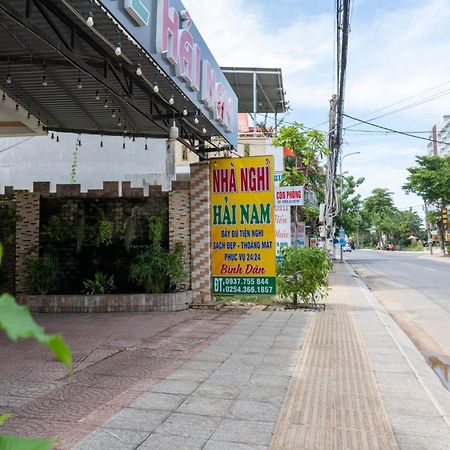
pixel 341 215
pixel 427 224
pixel 255 93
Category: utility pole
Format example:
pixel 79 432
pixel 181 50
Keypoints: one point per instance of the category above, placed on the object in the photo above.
pixel 427 224
pixel 332 204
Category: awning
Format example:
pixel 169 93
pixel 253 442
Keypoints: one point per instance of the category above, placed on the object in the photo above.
pixel 259 90
pixel 70 77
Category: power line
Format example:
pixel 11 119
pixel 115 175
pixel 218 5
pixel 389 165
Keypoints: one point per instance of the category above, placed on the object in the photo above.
pixel 16 144
pixel 395 131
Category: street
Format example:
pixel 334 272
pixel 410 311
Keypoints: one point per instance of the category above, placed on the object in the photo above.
pixel 415 289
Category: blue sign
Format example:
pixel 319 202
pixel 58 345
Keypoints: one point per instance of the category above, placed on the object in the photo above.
pixel 166 31
pixel 341 234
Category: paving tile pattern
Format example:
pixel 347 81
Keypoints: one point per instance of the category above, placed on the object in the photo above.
pixel 333 400
pixel 226 397
pixel 117 357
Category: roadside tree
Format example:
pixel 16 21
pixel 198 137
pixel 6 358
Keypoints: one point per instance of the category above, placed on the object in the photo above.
pixel 430 179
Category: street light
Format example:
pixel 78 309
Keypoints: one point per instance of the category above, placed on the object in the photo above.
pixel 341 231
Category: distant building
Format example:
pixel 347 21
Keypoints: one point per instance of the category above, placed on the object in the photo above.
pixel 250 143
pixel 439 144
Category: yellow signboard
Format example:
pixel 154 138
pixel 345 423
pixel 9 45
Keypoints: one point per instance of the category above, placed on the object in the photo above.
pixel 243 225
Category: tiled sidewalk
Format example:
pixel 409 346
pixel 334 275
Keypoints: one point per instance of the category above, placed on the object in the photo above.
pixel 227 397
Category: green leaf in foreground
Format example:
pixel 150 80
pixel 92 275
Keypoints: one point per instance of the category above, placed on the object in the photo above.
pixel 4 418
pixel 17 323
pixel 17 443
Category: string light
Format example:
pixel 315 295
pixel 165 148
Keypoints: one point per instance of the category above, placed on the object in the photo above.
pixel 97 95
pixel 134 139
pixel 8 77
pixel 105 105
pixel 173 132
pixel 119 122
pixel 171 100
pixel 57 138
pixel 113 113
pixel 204 130
pixel 101 142
pixel 155 88
pixel 4 97
pixel 17 107
pixel 139 70
pixel 28 115
pixel 146 146
pixel 79 84
pixel 53 136
pixel 90 20
pixel 185 113
pixel 44 81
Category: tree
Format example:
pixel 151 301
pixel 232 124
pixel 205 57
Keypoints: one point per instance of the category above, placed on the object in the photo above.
pixel 351 204
pixel 430 179
pixel 378 210
pixel 304 168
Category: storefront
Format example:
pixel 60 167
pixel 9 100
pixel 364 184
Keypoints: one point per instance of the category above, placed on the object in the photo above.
pixel 129 67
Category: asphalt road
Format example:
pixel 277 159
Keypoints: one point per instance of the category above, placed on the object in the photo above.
pixel 415 289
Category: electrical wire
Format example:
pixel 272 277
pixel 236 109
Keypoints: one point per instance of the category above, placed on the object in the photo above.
pixel 16 144
pixel 396 131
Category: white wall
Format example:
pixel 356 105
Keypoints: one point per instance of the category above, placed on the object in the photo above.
pixel 42 159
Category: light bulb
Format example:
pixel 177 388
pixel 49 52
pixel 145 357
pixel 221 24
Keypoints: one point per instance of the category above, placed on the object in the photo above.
pixel 90 21
pixel 113 113
pixel 124 146
pixel 53 136
pixel 4 97
pixel 17 107
pixel 146 145
pixel 8 79
pixel 97 95
pixel 39 122
pixel 105 105
pixel 57 138
pixel 79 84
pixel 139 71
pixel 196 120
pixel 155 88
pixel 44 81
pixel 119 123
pixel 185 113
pixel 204 130
pixel 171 100
pixel 173 132
pixel 28 115
pixel 118 51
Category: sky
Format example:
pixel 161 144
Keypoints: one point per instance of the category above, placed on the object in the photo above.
pixel 399 52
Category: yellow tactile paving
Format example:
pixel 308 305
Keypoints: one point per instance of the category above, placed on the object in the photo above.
pixel 333 401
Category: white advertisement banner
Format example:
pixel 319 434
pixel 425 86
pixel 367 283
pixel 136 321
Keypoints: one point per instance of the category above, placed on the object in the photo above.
pixel 282 229
pixel 289 196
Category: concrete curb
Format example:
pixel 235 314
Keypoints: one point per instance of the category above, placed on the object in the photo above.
pixel 428 380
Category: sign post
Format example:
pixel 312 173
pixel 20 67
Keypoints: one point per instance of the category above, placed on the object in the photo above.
pixel 242 226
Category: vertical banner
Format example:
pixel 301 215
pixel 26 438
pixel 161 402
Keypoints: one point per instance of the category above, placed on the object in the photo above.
pixel 242 225
pixel 301 234
pixel 282 228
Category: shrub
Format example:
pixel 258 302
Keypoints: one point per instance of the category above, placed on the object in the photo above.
pixel 99 285
pixel 302 274
pixel 156 267
pixel 44 274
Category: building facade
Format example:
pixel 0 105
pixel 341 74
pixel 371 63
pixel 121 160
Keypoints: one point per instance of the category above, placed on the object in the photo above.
pixel 439 144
